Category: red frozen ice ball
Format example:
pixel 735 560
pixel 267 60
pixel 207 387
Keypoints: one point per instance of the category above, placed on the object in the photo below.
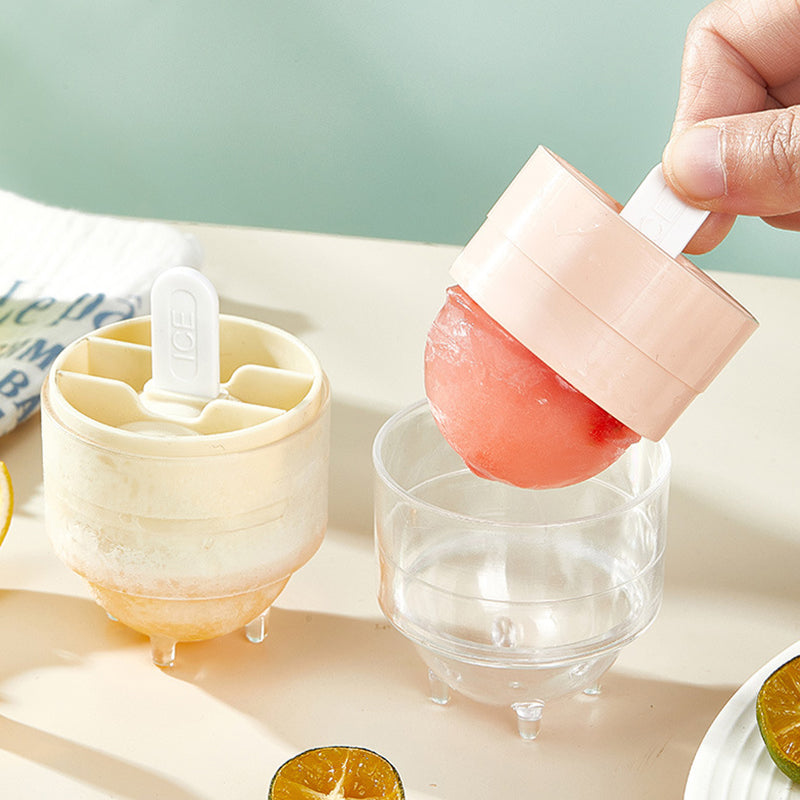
pixel 505 412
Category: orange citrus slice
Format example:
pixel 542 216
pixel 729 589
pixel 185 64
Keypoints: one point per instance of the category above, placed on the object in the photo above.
pixel 6 501
pixel 336 773
pixel 778 716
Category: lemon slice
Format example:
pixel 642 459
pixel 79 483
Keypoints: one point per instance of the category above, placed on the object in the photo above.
pixel 336 773
pixel 778 716
pixel 6 500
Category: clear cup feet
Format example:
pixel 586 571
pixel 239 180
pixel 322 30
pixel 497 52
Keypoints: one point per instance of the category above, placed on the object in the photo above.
pixel 256 630
pixel 438 690
pixel 528 713
pixel 529 718
pixel 162 650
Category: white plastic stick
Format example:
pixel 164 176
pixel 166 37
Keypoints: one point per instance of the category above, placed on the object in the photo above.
pixel 661 215
pixel 184 324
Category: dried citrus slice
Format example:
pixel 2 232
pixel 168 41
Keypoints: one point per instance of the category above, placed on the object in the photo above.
pixel 6 500
pixel 336 773
pixel 778 715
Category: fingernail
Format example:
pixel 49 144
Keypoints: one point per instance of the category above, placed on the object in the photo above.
pixel 695 158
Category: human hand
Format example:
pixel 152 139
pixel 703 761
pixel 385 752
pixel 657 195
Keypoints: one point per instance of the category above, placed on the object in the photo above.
pixel 735 145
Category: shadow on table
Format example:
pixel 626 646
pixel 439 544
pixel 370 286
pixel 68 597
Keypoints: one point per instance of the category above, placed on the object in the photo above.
pixel 121 779
pixel 41 631
pixel 322 679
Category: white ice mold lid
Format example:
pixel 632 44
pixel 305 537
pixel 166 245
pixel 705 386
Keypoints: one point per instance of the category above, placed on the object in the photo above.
pixel 601 294
pixel 186 380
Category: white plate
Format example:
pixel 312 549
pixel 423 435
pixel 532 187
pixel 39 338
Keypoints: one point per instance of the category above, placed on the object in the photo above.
pixel 732 762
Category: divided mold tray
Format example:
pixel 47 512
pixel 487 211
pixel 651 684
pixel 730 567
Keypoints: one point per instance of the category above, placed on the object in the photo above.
pixel 264 373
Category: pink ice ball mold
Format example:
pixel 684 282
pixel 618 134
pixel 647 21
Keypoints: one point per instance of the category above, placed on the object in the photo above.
pixel 571 333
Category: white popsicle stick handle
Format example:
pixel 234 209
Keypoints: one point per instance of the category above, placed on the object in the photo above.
pixel 661 215
pixel 184 310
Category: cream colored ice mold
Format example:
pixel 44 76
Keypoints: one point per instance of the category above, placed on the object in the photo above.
pixel 186 526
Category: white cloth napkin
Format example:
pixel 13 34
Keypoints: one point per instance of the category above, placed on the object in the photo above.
pixel 64 273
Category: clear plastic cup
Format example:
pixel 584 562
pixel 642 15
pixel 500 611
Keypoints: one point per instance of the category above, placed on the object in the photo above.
pixel 186 529
pixel 515 596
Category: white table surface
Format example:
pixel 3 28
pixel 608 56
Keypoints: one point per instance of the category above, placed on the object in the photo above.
pixel 84 713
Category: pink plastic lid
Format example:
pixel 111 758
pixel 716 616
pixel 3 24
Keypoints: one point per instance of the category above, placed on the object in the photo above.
pixel 637 331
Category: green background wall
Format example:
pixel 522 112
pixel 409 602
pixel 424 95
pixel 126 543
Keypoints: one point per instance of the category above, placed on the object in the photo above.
pixel 388 119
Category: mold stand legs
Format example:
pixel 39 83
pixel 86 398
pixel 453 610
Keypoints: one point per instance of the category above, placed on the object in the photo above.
pixel 162 649
pixel 529 718
pixel 593 690
pixel 438 690
pixel 256 630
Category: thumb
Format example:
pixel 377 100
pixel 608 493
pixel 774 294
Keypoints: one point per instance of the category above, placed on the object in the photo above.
pixel 745 164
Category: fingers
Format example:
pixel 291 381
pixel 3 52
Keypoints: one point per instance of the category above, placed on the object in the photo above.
pixel 711 233
pixel 716 80
pixel 739 55
pixel 746 164
pixel 717 226
pixel 788 222
pixel 735 146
